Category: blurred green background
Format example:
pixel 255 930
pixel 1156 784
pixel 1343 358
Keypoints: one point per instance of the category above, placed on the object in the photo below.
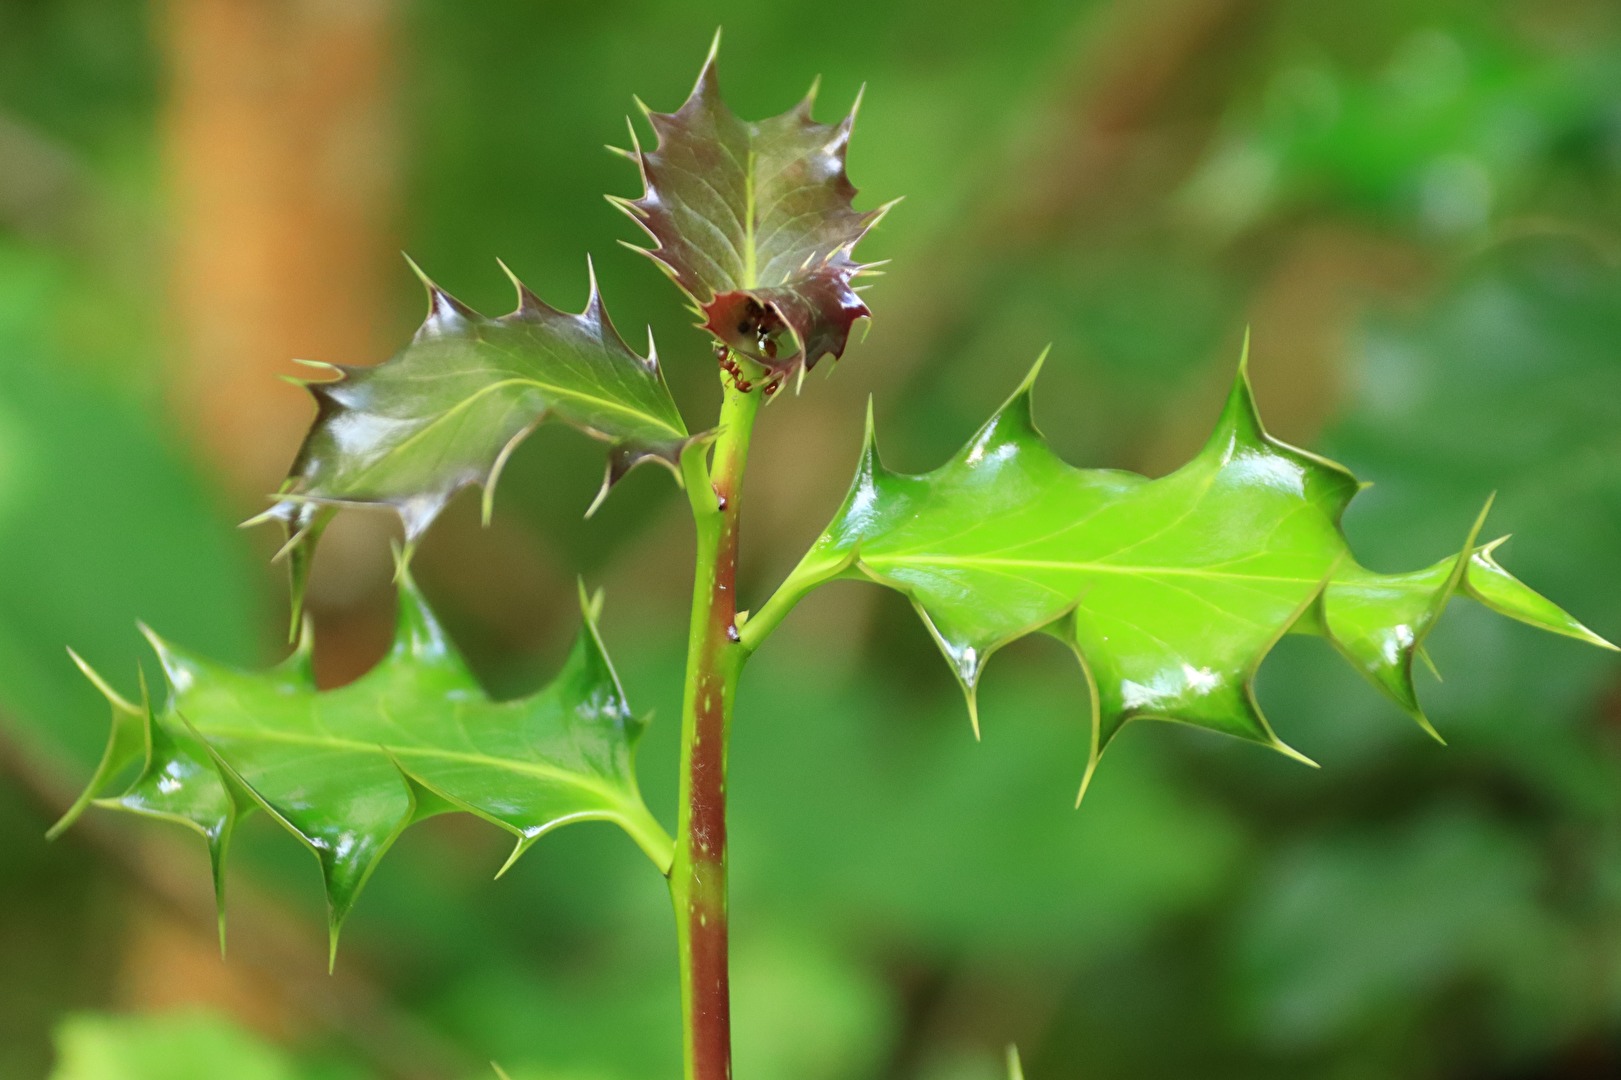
pixel 1416 204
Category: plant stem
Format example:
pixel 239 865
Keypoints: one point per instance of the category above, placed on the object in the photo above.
pixel 815 570
pixel 714 659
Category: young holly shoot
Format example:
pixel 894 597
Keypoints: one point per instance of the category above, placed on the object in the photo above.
pixel 1169 591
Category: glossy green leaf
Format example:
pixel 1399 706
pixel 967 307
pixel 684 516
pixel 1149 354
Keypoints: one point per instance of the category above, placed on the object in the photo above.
pixel 756 223
pixel 347 770
pixel 447 410
pixel 1170 591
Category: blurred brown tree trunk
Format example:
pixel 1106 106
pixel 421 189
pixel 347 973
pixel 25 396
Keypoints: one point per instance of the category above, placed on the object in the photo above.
pixel 280 154
pixel 280 157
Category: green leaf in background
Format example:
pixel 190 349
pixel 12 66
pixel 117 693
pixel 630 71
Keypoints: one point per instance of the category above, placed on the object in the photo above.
pixel 347 770
pixel 73 457
pixel 186 1046
pixel 755 223
pixel 447 410
pixel 1412 132
pixel 1171 591
pixel 1444 898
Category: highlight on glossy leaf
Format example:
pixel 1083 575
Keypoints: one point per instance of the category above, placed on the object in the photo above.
pixel 448 410
pixel 1170 591
pixel 346 771
pixel 756 222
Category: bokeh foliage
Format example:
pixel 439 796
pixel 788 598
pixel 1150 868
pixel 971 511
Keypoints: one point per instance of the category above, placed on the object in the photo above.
pixel 1413 204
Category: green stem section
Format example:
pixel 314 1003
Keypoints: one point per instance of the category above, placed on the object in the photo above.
pixel 816 570
pixel 714 660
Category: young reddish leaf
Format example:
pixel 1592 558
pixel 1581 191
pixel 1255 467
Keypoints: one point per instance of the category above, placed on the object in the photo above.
pixel 347 770
pixel 447 410
pixel 756 223
pixel 1170 592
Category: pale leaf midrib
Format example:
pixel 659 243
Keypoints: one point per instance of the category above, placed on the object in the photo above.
pixel 750 256
pixel 466 403
pixel 1078 566
pixel 539 769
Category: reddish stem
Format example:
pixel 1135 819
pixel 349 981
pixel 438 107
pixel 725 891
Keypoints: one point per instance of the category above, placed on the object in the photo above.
pixel 706 913
pixel 714 658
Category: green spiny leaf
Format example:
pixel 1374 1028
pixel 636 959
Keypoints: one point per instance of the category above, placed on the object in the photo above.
pixel 755 223
pixel 1170 591
pixel 448 409
pixel 347 770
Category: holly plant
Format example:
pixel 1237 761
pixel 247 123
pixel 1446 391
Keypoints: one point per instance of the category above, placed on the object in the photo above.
pixel 1169 591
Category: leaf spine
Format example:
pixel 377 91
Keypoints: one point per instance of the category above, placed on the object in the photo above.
pixel 445 312
pixel 807 104
pixel 114 698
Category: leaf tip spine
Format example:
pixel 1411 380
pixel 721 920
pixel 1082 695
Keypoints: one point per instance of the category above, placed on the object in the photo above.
pixel 1290 752
pixel 1455 578
pixel 855 110
pixel 1240 421
pixel 146 696
pixel 1429 662
pixel 114 698
pixel 524 295
pixel 593 298
pixel 876 217
pixel 639 156
pixel 1423 722
pixel 493 479
pixel 1030 377
pixel 602 493
pixel 808 103
pixel 164 650
pixel 442 307
pixel 436 295
pixel 294 538
pixel 517 853
pixel 1086 777
pixel 590 602
pixel 262 517
pixel 422 276
pixel 651 360
pixel 872 463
